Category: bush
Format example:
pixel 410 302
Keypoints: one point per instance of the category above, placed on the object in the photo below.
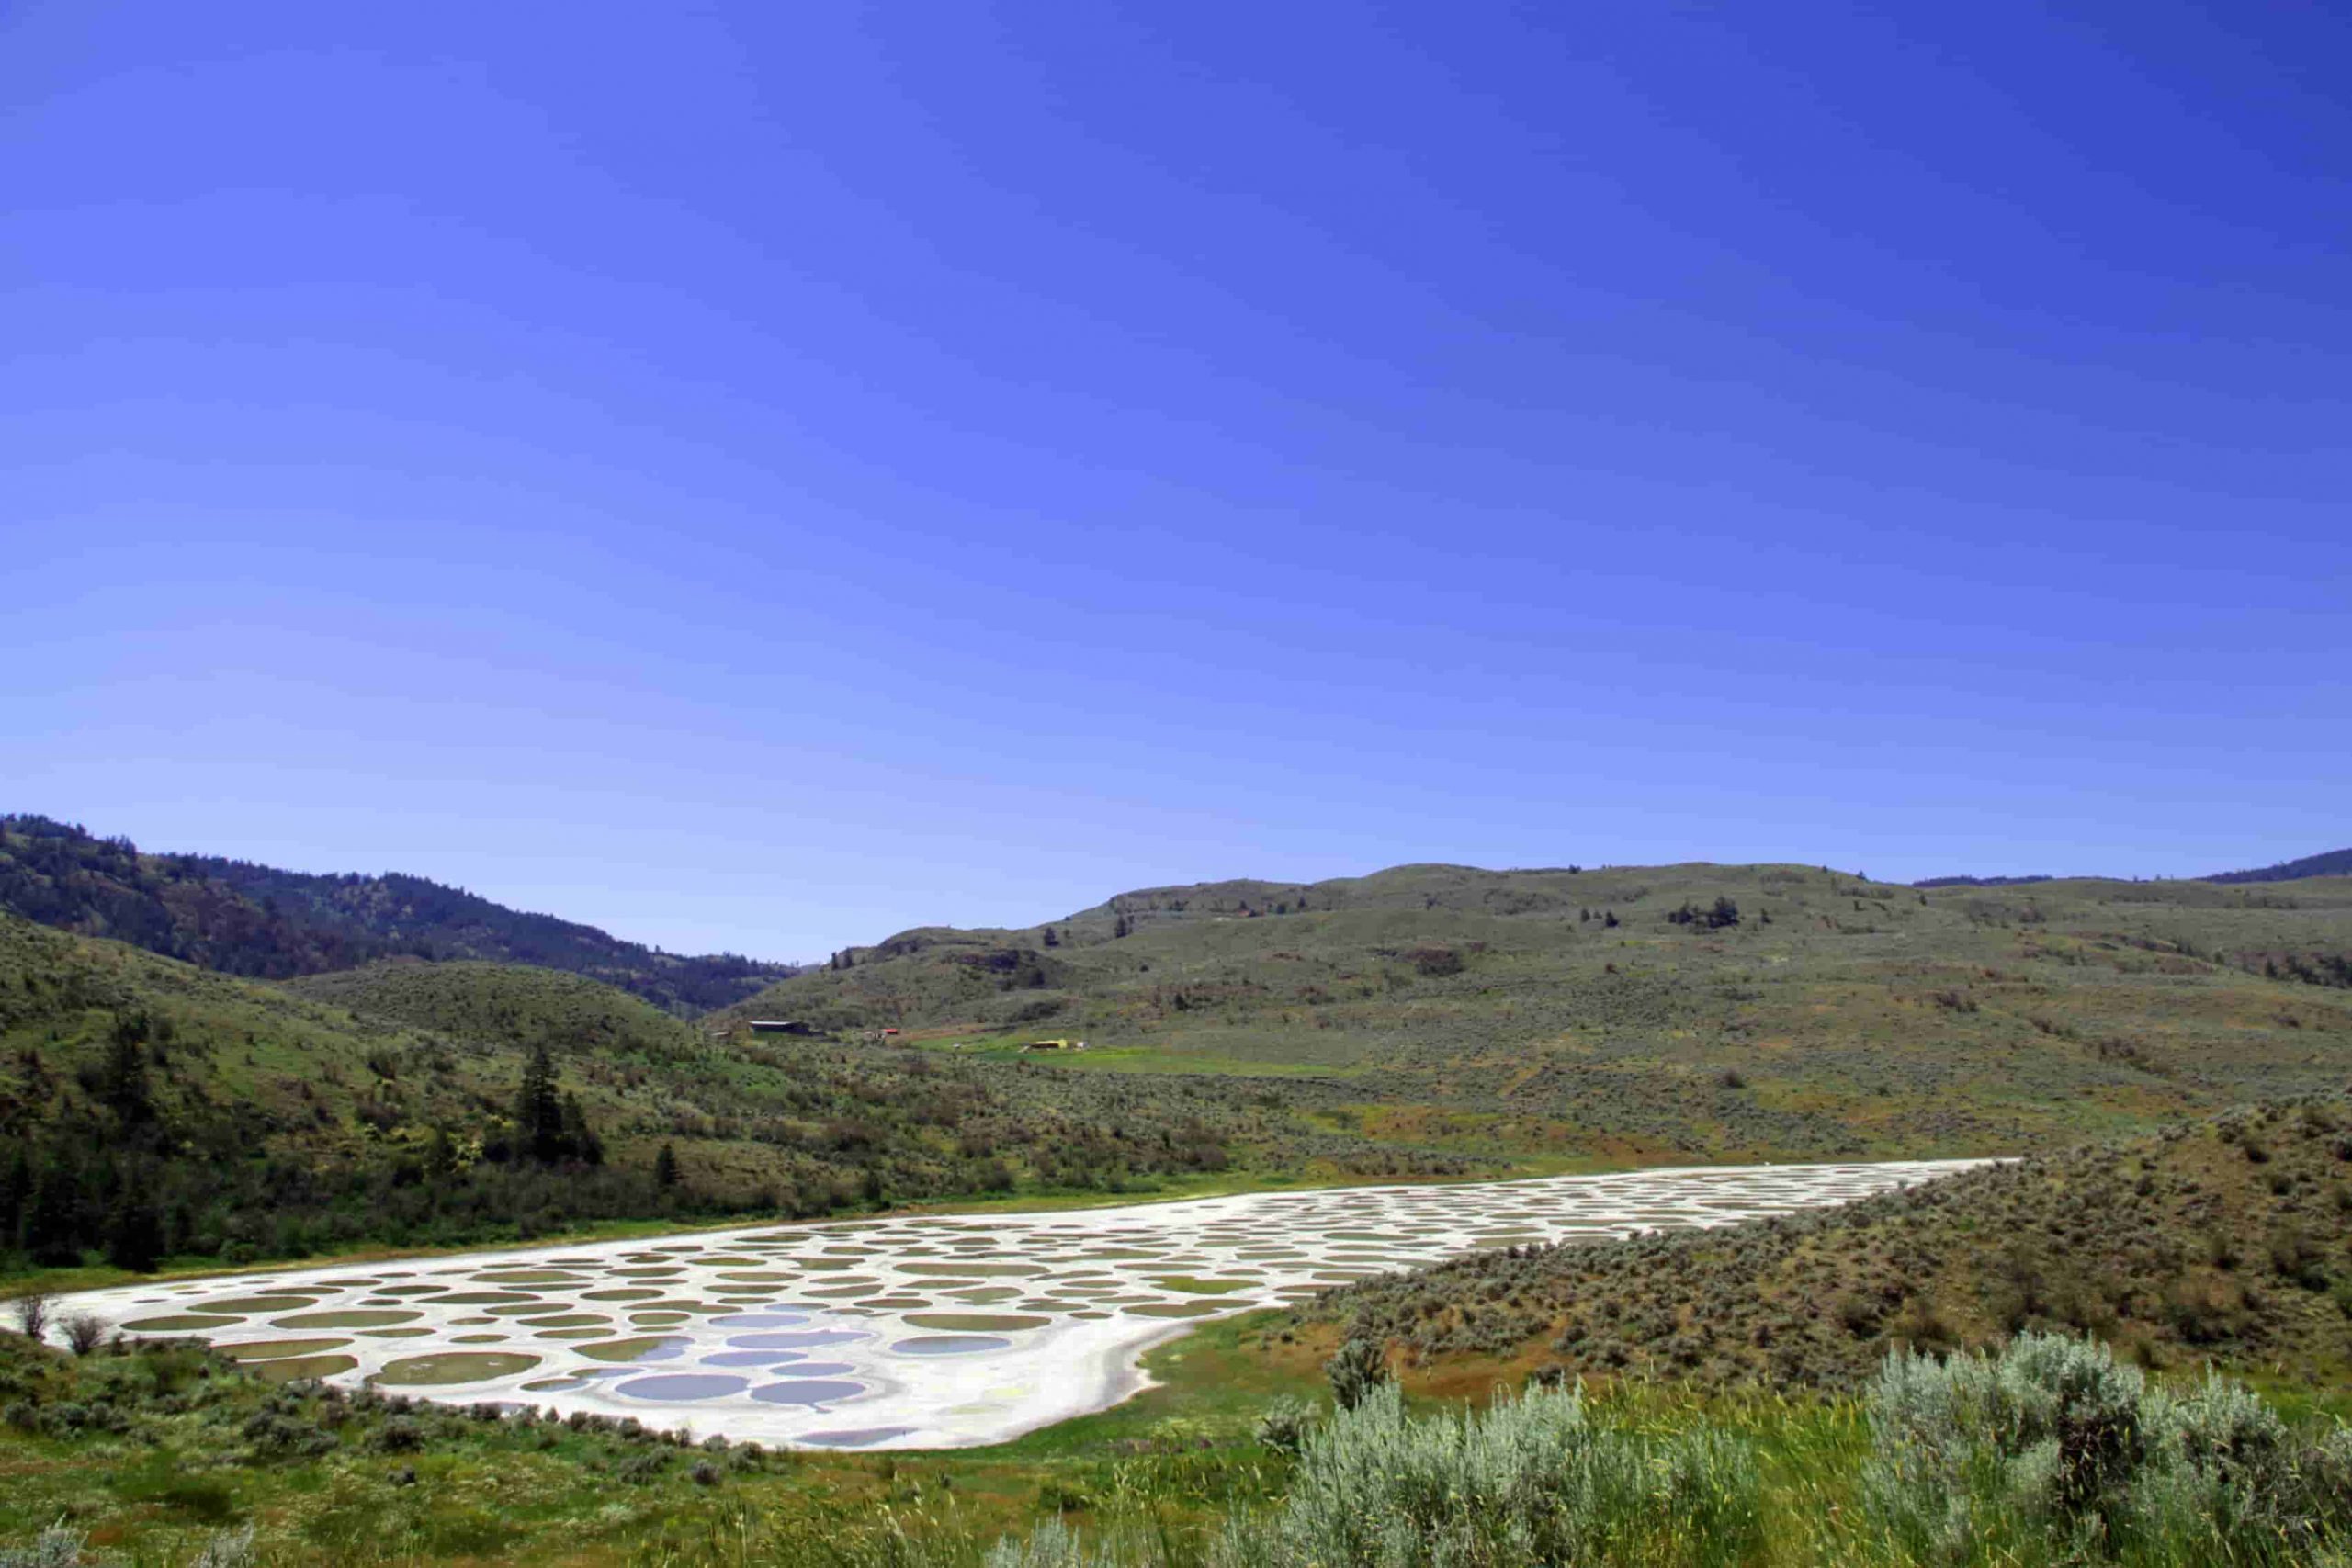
pixel 228 1549
pixel 31 1313
pixel 1355 1368
pixel 1527 1480
pixel 1286 1425
pixel 2053 1450
pixel 85 1333
pixel 56 1547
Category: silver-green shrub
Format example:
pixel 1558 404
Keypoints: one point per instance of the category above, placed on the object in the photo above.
pixel 1529 1481
pixel 2052 1452
pixel 56 1547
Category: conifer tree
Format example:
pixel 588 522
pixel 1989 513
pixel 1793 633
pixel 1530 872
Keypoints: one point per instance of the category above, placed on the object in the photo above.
pixel 539 1111
pixel 135 1230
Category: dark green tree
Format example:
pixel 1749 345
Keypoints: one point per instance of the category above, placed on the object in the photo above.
pixel 665 1168
pixel 579 1137
pixel 538 1109
pixel 123 1085
pixel 52 1224
pixel 135 1230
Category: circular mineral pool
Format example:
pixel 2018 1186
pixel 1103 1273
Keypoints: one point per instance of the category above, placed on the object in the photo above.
pixel 752 1359
pixel 682 1386
pixel 950 1344
pixel 795 1341
pixel 454 1366
pixel 292 1367
pixel 363 1319
pixel 287 1302
pixel 976 1322
pixel 760 1320
pixel 645 1348
pixel 808 1390
pixel 181 1322
pixel 274 1349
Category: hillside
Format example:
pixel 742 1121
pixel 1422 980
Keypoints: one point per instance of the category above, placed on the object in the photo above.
pixel 2228 1239
pixel 2335 863
pixel 255 920
pixel 509 1003
pixel 238 1120
pixel 1688 1012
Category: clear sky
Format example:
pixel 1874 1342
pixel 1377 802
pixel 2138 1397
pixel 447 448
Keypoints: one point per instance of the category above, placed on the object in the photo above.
pixel 761 476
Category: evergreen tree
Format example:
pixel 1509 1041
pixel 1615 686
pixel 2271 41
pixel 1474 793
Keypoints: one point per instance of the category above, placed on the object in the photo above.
pixel 665 1168
pixel 16 1193
pixel 135 1231
pixel 539 1111
pixel 124 1085
pixel 53 1225
pixel 578 1136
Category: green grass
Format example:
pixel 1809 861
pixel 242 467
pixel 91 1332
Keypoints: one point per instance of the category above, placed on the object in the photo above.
pixel 190 1445
pixel 1862 1020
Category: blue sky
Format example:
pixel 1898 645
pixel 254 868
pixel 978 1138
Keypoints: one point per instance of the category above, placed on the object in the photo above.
pixel 761 477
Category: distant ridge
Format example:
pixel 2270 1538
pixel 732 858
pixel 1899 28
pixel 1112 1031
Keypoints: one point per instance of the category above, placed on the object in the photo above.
pixel 264 923
pixel 2335 863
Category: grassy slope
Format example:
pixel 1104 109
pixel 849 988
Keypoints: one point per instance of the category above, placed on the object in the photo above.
pixel 150 1458
pixel 346 1069
pixel 1864 1019
pixel 2227 1240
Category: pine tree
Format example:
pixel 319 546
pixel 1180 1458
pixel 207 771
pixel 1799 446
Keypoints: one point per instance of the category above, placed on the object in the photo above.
pixel 578 1136
pixel 134 1231
pixel 53 1223
pixel 124 1085
pixel 538 1112
pixel 665 1167
pixel 16 1193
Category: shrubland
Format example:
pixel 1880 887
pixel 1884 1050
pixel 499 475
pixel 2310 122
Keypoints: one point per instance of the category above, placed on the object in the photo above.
pixel 1671 1013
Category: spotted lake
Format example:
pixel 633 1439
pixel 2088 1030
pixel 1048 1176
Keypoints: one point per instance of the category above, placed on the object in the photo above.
pixel 901 1332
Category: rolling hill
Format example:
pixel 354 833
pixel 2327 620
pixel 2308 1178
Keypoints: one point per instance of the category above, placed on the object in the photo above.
pixel 2335 863
pixel 239 1120
pixel 2222 1239
pixel 1670 1012
pixel 255 920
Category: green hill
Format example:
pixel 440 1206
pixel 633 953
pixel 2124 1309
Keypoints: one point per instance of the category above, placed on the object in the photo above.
pixel 510 1003
pixel 2220 1240
pixel 2335 863
pixel 1687 1012
pixel 231 1119
pixel 256 921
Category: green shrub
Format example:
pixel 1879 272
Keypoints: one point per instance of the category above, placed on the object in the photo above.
pixel 1355 1368
pixel 1286 1424
pixel 2053 1453
pixel 1527 1481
